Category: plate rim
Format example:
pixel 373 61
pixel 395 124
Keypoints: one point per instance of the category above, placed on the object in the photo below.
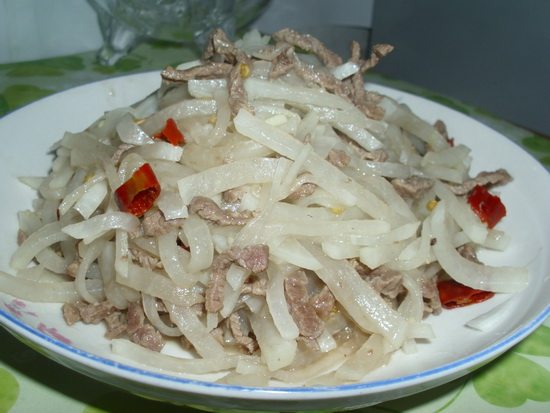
pixel 459 366
pixel 326 392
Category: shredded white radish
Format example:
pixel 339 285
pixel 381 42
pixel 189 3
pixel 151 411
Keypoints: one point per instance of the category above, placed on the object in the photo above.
pixel 184 109
pixel 366 307
pixel 157 285
pixel 462 214
pixel 92 199
pixel 200 243
pixel 192 328
pixel 98 225
pixel 494 318
pixel 277 352
pixel 168 363
pixel 236 277
pixel 479 276
pixel 89 254
pixel 369 356
pixel 275 299
pixel 129 132
pixel 50 292
pixel 216 180
pixel 48 235
pixel 345 70
pixel 175 260
pixel 51 261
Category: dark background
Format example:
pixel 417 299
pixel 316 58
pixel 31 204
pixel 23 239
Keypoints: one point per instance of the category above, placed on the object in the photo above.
pixel 488 53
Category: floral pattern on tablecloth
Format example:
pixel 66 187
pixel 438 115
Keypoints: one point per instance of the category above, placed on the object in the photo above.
pixel 29 382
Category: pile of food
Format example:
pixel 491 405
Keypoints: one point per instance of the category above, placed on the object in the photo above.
pixel 266 213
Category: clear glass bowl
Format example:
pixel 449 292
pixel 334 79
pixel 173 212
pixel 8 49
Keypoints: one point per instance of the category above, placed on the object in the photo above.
pixel 125 23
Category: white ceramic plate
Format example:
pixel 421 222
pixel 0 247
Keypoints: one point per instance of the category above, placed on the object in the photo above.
pixel 27 135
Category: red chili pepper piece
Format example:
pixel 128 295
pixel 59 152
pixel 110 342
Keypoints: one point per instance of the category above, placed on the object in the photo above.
pixel 453 294
pixel 137 195
pixel 489 208
pixel 171 133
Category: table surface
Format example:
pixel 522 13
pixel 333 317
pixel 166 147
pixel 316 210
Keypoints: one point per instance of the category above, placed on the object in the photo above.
pixel 29 382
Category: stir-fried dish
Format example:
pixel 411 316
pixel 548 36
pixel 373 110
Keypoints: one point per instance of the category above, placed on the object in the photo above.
pixel 266 213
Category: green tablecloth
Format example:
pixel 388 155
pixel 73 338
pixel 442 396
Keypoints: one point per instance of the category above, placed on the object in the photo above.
pixel 29 382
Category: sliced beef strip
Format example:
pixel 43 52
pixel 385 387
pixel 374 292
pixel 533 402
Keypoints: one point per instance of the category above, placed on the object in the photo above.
pixel 237 94
pixel 116 325
pixel 357 82
pixel 236 325
pixel 72 268
pixel 440 126
pixel 209 70
pixel 270 52
pixel 283 62
pixel 219 47
pixel 386 281
pixel 207 209
pixel 71 314
pixel 303 313
pixel 145 260
pixel 378 52
pixel 88 313
pixel 96 312
pixel 253 257
pixel 367 102
pixel 135 317
pixel 257 287
pixel 287 61
pixel 233 195
pixel 320 77
pixel 387 284
pixel 309 44
pixel 361 268
pixel 430 293
pixel 338 158
pixel 215 290
pixel 224 60
pixel 377 155
pixel 154 224
pixel 412 187
pixel 147 336
pixel 355 52
pixel 323 302
pixel 498 177
pixel 304 190
pixel 469 252
pixel 364 100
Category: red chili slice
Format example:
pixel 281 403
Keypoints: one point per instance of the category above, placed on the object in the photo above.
pixel 138 194
pixel 453 294
pixel 171 133
pixel 489 208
